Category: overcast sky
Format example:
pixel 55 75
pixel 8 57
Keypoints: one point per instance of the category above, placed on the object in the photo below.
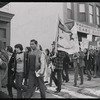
pixel 34 21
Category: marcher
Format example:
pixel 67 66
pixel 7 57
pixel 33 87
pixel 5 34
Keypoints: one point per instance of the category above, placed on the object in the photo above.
pixel 93 63
pixel 19 70
pixel 85 60
pixel 11 77
pixel 45 73
pixel 96 60
pixel 3 68
pixel 78 60
pixel 47 62
pixel 26 67
pixel 36 71
pixel 89 65
pixel 58 63
pixel 52 57
pixel 66 62
pixel 81 65
pixel 98 63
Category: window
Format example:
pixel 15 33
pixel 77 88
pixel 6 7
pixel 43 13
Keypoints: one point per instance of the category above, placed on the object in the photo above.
pixel 2 33
pixel 98 15
pixel 82 13
pixel 82 8
pixel 69 10
pixel 90 13
pixel 69 5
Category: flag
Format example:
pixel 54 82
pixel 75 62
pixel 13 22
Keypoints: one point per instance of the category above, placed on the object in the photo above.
pixel 63 27
pixel 65 40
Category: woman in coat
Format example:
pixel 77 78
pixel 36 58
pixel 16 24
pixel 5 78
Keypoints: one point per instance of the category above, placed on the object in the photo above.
pixel 11 77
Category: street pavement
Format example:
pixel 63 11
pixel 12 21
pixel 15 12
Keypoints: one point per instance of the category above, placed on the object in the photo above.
pixel 90 89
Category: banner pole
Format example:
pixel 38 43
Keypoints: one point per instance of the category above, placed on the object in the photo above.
pixel 57 35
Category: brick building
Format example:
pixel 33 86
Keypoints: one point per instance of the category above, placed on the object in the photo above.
pixel 85 16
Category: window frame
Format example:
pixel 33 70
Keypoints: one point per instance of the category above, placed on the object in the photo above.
pixel 81 13
pixel 3 35
pixel 80 7
pixel 98 15
pixel 91 15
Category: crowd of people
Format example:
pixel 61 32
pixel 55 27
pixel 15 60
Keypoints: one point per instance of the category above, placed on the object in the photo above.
pixel 28 70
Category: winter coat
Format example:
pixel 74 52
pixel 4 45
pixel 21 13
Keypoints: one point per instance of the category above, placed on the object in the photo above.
pixel 58 61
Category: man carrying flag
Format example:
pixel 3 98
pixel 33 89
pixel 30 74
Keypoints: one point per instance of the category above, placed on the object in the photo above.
pixel 58 63
pixel 62 45
pixel 66 40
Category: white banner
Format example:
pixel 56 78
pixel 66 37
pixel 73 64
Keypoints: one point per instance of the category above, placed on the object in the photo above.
pixel 66 43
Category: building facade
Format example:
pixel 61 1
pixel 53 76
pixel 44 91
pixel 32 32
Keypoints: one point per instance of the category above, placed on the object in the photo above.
pixel 85 16
pixel 33 19
pixel 5 19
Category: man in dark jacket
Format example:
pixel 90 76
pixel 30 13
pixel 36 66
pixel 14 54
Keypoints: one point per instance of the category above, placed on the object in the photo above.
pixel 11 71
pixel 66 62
pixel 58 63
pixel 26 67
pixel 52 60
pixel 98 63
pixel 78 60
pixel 89 65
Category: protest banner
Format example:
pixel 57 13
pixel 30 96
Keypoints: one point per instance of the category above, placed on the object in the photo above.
pixel 65 39
pixel 94 45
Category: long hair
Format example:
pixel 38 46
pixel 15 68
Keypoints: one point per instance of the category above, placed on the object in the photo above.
pixel 19 46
